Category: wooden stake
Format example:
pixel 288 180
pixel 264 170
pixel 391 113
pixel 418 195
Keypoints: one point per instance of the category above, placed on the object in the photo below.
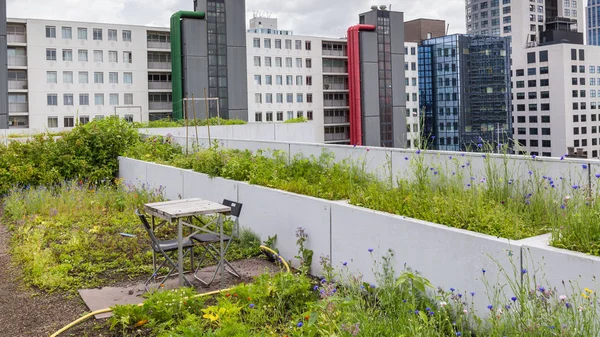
pixel 195 121
pixel 185 117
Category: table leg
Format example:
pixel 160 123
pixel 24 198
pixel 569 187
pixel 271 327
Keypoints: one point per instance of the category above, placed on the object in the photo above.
pixel 222 255
pixel 154 253
pixel 180 251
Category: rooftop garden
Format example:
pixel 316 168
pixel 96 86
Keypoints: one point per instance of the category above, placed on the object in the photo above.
pixel 496 204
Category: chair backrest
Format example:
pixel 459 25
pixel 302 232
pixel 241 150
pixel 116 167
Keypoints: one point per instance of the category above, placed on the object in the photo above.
pixel 236 207
pixel 155 243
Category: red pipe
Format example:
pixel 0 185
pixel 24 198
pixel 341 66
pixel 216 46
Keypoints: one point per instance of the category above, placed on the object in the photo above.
pixel 354 82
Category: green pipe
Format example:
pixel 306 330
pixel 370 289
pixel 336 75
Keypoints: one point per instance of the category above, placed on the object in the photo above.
pixel 177 60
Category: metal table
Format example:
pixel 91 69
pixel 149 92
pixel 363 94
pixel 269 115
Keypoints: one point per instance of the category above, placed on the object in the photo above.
pixel 182 211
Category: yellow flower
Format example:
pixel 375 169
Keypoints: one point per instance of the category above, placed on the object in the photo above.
pixel 588 291
pixel 584 295
pixel 212 317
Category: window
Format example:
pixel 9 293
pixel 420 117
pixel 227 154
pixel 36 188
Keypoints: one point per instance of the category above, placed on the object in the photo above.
pixel 279 116
pixel 256 42
pixel 533 143
pixel 128 78
pixel 97 34
pixel 307 45
pixel 51 77
pixel 126 36
pixel 573 68
pixel 99 77
pixel 531 83
pixel 545 106
pixel 258 116
pixel 82 55
pixel 288 44
pixel 290 114
pixel 82 33
pixel 308 80
pixel 288 62
pixel 68 77
pixel 69 122
pixel 52 99
pixel 532 95
pixel 269 116
pixel 83 77
pixel 545 94
pixel 50 54
pixel 98 56
pixel 574 93
pixel 267 61
pixel 268 79
pixel 52 122
pixel 113 99
pixel 531 57
pixel 257 80
pixel 522 131
pixel 277 43
pixel 67 33
pixel 520 84
pixel 521 119
pixel 546 131
pixel 543 56
pixel 545 119
pixel 298 45
pixel 533 119
pixel 531 71
pixel 290 98
pixel 308 63
pixel 128 99
pixel 278 62
pixel 309 115
pixel 128 118
pixel 112 35
pixel 257 61
pixel 298 62
pixel 127 57
pixel 268 98
pixel 279 79
pixel 258 98
pixel 582 69
pixel 299 114
pixel 520 72
pixel 113 56
pixel 98 99
pixel 289 80
pixel 279 98
pixel 532 107
pixel 543 70
pixel 299 98
pixel 546 143
pixel 520 95
pixel 67 55
pixel 51 32
pixel 299 80
pixel 113 77
pixel 544 82
pixel 268 43
pixel 309 98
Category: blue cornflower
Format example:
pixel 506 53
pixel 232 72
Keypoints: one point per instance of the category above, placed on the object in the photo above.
pixel 299 324
pixel 370 250
pixel 551 327
pixel 316 288
pixel 251 305
pixel 435 172
pixel 459 295
pixel 568 305
pixel 372 285
pixel 468 185
pixel 562 158
pixel 490 307
pixel 530 172
pixel 575 187
pixel 432 137
pixel 507 307
pixel 584 166
pixel 458 333
pixel 484 156
pixel 473 293
pixel 416 312
pixel 527 202
pixel 323 281
pixel 418 151
pixel 479 145
pixel 563 206
pixel 431 313
pixel 405 158
pixel 452 289
pixel 450 157
pixel 597 175
pixel 533 156
pixel 514 299
pixel 483 271
pixel 542 289
pixel 345 264
pixel 428 309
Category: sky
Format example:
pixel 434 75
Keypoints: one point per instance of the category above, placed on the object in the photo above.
pixel 329 18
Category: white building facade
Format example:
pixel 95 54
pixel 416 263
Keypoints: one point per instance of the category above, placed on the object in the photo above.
pixel 62 73
pixel 411 68
pixel 556 100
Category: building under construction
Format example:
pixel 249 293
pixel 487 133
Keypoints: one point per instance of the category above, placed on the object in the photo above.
pixel 464 86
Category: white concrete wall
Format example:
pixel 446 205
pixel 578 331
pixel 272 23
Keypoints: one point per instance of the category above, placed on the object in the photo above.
pixel 448 257
pixel 284 132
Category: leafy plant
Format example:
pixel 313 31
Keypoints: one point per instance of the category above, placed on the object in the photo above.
pixel 304 255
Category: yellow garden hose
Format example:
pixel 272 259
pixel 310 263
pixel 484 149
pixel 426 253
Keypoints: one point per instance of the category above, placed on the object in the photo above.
pixel 103 311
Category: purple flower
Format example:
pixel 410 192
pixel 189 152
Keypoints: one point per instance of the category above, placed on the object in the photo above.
pixel 370 250
pixel 507 307
pixel 542 289
pixel 458 333
pixel 372 285
pixel 523 271
pixel 598 175
pixel 462 154
pixel 533 156
pixel 473 294
pixel 459 295
pixel 563 206
pixel 484 156
pixel 435 172
pixel 490 307
pixel 251 305
pixel 432 137
pixel 431 313
pixel 316 288
pixel 354 145
pixel 568 305
pixel 452 289
pixel 530 172
pixel 514 299
pixel 584 166
pixel 428 309
pixel 405 158
pixel 468 185
pixel 562 158
pixel 345 264
pixel 416 312
pixel 527 202
pixel 483 271
pixel 479 145
pixel 418 151
pixel 299 324
pixel 575 187
pixel 450 158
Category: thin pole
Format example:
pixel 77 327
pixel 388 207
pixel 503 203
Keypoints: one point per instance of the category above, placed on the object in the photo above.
pixel 185 108
pixel 195 122
pixel 207 116
pixel 218 112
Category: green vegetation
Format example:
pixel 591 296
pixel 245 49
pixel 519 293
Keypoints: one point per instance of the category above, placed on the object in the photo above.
pixel 297 120
pixel 169 123
pixel 408 305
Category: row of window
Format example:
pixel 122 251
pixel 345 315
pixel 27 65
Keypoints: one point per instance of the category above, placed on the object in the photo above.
pixel 279 64
pixel 113 77
pixel 407 81
pixel 84 99
pixel 288 44
pixel 82 33
pixel 69 121
pixel 289 80
pixel 533 83
pixel 533 119
pixel 258 116
pixel 531 71
pixel 533 95
pixel 82 55
pixel 536 143
pixel 583 130
pixel 534 107
pixel 533 131
pixel 583 118
pixel 258 98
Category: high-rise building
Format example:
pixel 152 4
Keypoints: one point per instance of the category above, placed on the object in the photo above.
pixel 4 69
pixel 376 78
pixel 423 29
pixel 593 22
pixel 411 85
pixel 465 91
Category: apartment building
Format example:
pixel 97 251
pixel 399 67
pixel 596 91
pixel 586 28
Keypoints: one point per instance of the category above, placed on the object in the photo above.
pixel 411 84
pixel 62 72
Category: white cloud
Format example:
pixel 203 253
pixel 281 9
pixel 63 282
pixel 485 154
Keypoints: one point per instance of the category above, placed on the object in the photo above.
pixel 305 17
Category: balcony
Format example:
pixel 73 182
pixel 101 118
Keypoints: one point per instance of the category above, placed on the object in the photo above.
pixel 18 107
pixel 16 38
pixel 17 61
pixel 336 120
pixel 341 53
pixel 335 86
pixel 335 70
pixel 337 137
pixel 160 105
pixel 335 103
pixel 160 85
pixel 159 45
pixel 159 65
pixel 17 85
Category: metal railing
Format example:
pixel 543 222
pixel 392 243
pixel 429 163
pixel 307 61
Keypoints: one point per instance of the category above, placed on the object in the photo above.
pixel 337 120
pixel 335 70
pixel 335 86
pixel 336 136
pixel 18 61
pixel 17 84
pixel 18 107
pixel 340 103
pixel 335 52
pixel 159 65
pixel 16 38
pixel 160 105
pixel 160 85
pixel 159 45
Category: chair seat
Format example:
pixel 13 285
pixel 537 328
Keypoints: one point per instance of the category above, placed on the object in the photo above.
pixel 171 245
pixel 209 238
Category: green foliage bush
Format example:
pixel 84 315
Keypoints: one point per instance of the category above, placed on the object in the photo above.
pixel 169 123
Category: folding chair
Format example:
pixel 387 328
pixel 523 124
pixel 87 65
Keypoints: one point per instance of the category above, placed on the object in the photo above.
pixel 168 249
pixel 208 241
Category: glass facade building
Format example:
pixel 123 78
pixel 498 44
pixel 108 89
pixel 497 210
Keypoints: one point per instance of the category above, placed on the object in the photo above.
pixel 217 57
pixel 593 22
pixel 464 87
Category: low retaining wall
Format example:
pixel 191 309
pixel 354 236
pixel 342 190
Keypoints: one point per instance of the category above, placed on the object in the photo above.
pixel 448 257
